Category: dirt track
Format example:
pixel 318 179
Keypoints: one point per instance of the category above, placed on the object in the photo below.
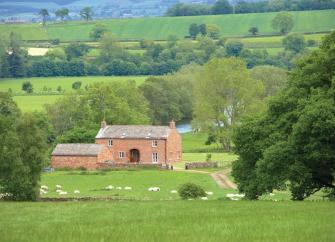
pixel 223 180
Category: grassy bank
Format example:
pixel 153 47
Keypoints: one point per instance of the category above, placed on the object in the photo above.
pixel 168 221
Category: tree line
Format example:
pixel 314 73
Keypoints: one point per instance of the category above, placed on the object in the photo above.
pixel 224 7
pixel 158 59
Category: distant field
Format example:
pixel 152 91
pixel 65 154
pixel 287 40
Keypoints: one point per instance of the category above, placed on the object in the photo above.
pixel 161 27
pixel 64 82
pixel 166 221
pixel 36 102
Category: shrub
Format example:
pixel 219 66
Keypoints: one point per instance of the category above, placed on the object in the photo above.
pixel 191 190
pixel 55 41
pixel 311 43
pixel 208 157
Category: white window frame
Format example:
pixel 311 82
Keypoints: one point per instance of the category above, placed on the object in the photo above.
pixel 154 143
pixel 122 154
pixel 110 142
pixel 155 158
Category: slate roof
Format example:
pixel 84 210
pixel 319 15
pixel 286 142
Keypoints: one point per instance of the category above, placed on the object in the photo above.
pixel 134 132
pixel 77 149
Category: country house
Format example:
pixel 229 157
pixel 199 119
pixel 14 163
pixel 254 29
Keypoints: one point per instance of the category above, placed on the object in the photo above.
pixel 122 144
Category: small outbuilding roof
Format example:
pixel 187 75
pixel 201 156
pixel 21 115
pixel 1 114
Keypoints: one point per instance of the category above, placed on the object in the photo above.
pixel 77 150
pixel 134 132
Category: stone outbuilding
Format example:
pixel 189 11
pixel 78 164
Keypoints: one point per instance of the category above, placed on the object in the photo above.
pixel 122 144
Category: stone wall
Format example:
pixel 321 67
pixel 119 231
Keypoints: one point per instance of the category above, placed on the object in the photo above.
pixel 194 165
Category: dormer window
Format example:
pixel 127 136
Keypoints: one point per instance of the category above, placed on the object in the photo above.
pixel 110 142
pixel 154 143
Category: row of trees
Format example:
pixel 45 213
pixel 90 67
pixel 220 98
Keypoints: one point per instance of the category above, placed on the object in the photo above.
pixel 86 13
pixel 158 59
pixel 224 7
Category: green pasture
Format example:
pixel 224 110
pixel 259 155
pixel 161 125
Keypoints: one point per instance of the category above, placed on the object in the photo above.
pixel 94 183
pixel 167 221
pixel 34 103
pixel 161 27
pixel 65 82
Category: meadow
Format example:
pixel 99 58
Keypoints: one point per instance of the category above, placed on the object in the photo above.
pixel 35 102
pixel 167 221
pixel 159 28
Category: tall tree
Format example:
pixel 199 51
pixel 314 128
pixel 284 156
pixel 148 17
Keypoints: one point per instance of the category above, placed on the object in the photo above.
pixel 16 57
pixel 292 145
pixel 86 13
pixel 44 14
pixel 22 146
pixel 283 22
pixel 224 92
pixel 62 13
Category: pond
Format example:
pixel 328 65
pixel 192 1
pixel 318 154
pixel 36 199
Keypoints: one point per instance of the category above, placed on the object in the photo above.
pixel 184 126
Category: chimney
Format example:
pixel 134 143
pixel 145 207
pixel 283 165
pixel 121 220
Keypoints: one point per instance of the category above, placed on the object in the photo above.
pixel 172 125
pixel 103 124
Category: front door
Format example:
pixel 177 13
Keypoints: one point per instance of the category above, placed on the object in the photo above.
pixel 134 156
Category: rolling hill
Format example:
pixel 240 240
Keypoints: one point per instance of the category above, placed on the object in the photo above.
pixel 161 27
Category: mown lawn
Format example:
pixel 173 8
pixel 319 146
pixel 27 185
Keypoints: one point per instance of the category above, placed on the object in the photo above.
pixel 94 183
pixel 161 27
pixel 167 221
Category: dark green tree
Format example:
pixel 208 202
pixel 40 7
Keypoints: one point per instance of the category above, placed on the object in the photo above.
pixel 294 42
pixel 62 13
pixel 193 30
pixel 16 57
pixel 86 13
pixel 75 50
pixel 203 29
pixel 283 22
pixel 233 48
pixel 222 7
pixel 293 143
pixel 44 14
pixel 27 87
pixel 253 30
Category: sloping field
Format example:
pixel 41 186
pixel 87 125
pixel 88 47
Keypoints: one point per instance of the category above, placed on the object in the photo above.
pixel 162 27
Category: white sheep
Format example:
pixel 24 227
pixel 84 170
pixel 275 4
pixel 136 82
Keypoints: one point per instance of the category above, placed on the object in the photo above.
pixel 58 190
pixel 128 188
pixel 204 198
pixel 173 191
pixel 154 189
pixel 272 194
pixel 63 193
pixel 76 192
pixel 119 188
pixel 110 187
pixel 58 187
pixel 44 188
pixel 209 193
pixel 43 192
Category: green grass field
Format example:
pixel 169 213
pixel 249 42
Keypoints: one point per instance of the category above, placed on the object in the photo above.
pixel 148 221
pixel 161 27
pixel 93 183
pixel 36 102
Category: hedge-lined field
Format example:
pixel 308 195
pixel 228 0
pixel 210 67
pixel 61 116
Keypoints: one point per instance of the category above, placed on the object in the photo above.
pixel 168 221
pixel 161 27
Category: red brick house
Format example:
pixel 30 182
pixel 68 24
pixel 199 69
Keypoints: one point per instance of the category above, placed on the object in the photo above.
pixel 126 144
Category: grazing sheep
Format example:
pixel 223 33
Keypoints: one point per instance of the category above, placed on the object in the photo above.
pixel 154 189
pixel 173 191
pixel 44 188
pixel 58 187
pixel 209 193
pixel 272 194
pixel 127 188
pixel 110 187
pixel 43 192
pixel 234 199
pixel 58 190
pixel 119 188
pixel 204 198
pixel 63 193
pixel 76 192
pixel 230 195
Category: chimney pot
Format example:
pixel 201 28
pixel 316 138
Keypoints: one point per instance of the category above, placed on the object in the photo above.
pixel 103 124
pixel 172 124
